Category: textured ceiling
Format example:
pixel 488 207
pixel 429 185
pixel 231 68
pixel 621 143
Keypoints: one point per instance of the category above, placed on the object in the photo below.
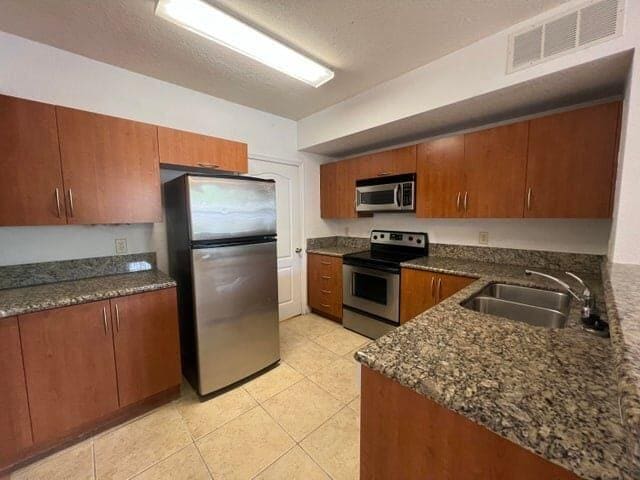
pixel 366 42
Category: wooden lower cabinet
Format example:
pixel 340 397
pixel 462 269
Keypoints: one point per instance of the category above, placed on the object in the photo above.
pixel 145 337
pixel 84 367
pixel 324 285
pixel 69 367
pixel 407 435
pixel 421 290
pixel 15 424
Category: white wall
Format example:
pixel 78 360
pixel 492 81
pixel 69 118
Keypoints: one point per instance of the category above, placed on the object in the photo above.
pixel 624 247
pixel 39 72
pixel 580 236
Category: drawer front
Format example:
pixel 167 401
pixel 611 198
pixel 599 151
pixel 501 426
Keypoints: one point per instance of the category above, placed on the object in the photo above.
pixel 325 284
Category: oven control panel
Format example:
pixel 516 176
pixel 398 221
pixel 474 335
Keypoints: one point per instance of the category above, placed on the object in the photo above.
pixel 400 239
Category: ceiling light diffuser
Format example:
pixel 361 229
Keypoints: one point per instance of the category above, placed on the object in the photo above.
pixel 212 23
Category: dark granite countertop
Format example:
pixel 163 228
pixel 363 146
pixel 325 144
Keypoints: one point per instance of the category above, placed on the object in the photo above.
pixel 336 250
pixel 17 301
pixel 552 391
pixel 622 295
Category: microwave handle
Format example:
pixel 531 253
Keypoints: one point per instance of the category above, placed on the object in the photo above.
pixel 397 194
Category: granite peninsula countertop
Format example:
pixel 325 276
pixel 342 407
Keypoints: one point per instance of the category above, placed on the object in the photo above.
pixel 18 301
pixel 552 391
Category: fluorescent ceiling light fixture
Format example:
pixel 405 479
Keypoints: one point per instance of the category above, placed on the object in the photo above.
pixel 214 24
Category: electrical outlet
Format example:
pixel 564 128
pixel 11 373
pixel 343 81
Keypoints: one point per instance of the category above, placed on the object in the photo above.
pixel 121 246
pixel 346 231
pixel 483 238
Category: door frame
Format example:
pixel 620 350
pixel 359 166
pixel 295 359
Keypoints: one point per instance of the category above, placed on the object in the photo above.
pixel 303 255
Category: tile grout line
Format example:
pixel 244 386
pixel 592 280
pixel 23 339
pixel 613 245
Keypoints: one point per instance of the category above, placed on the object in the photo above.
pixel 137 474
pixel 93 455
pixel 315 430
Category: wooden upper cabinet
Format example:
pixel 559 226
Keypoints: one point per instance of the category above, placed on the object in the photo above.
pixel 189 149
pixel 145 337
pixel 337 190
pixel 110 168
pixel 495 163
pixel 392 162
pixel 572 163
pixel 69 368
pixel 31 188
pixel 328 190
pixel 15 424
pixel 441 178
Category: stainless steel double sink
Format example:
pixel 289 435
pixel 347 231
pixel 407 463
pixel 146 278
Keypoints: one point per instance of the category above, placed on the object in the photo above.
pixel 537 307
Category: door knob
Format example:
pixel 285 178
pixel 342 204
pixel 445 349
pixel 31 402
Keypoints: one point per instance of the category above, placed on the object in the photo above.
pixel 298 250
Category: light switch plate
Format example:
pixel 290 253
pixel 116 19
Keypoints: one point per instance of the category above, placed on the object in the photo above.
pixel 483 238
pixel 121 246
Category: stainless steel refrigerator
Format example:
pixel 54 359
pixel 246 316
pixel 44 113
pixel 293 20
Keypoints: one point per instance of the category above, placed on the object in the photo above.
pixel 221 233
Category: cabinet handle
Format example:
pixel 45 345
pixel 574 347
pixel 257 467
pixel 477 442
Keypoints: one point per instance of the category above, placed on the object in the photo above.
pixel 104 319
pixel 325 263
pixel 466 198
pixel 458 201
pixel 325 305
pixel 71 203
pixel 328 292
pixel 529 199
pixel 439 289
pixel 433 283
pixel 58 201
pixel 325 277
pixel 384 174
pixel 117 318
pixel 209 165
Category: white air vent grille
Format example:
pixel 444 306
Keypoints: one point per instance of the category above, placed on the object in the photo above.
pixel 598 21
pixel 560 34
pixel 527 47
pixel 593 22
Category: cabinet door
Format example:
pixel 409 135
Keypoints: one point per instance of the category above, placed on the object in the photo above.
pixel 110 168
pixel 190 149
pixel 496 163
pixel 450 284
pixel 328 190
pixel 571 165
pixel 69 368
pixel 441 178
pixel 15 425
pixel 146 344
pixel 346 171
pixel 31 187
pixel 417 292
pixel 393 162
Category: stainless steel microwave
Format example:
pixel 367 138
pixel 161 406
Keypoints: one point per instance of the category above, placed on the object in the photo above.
pixel 386 194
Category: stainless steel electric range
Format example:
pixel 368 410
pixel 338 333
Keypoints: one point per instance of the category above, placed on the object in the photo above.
pixel 371 281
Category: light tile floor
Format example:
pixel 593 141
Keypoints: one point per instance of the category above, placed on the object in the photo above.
pixel 300 420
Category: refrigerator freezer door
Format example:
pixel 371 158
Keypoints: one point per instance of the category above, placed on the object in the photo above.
pixel 236 312
pixel 223 207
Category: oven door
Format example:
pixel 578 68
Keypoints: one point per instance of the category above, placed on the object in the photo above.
pixel 372 291
pixel 379 198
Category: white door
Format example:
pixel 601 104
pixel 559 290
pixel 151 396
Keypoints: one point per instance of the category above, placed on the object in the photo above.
pixel 289 227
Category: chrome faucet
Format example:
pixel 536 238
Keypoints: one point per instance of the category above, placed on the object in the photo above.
pixel 587 299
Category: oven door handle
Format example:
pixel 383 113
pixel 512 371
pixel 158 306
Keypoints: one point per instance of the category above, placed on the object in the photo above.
pixel 397 194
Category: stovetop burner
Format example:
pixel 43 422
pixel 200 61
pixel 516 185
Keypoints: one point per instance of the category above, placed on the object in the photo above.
pixel 390 249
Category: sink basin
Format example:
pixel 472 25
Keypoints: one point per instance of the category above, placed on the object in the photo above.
pixel 540 308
